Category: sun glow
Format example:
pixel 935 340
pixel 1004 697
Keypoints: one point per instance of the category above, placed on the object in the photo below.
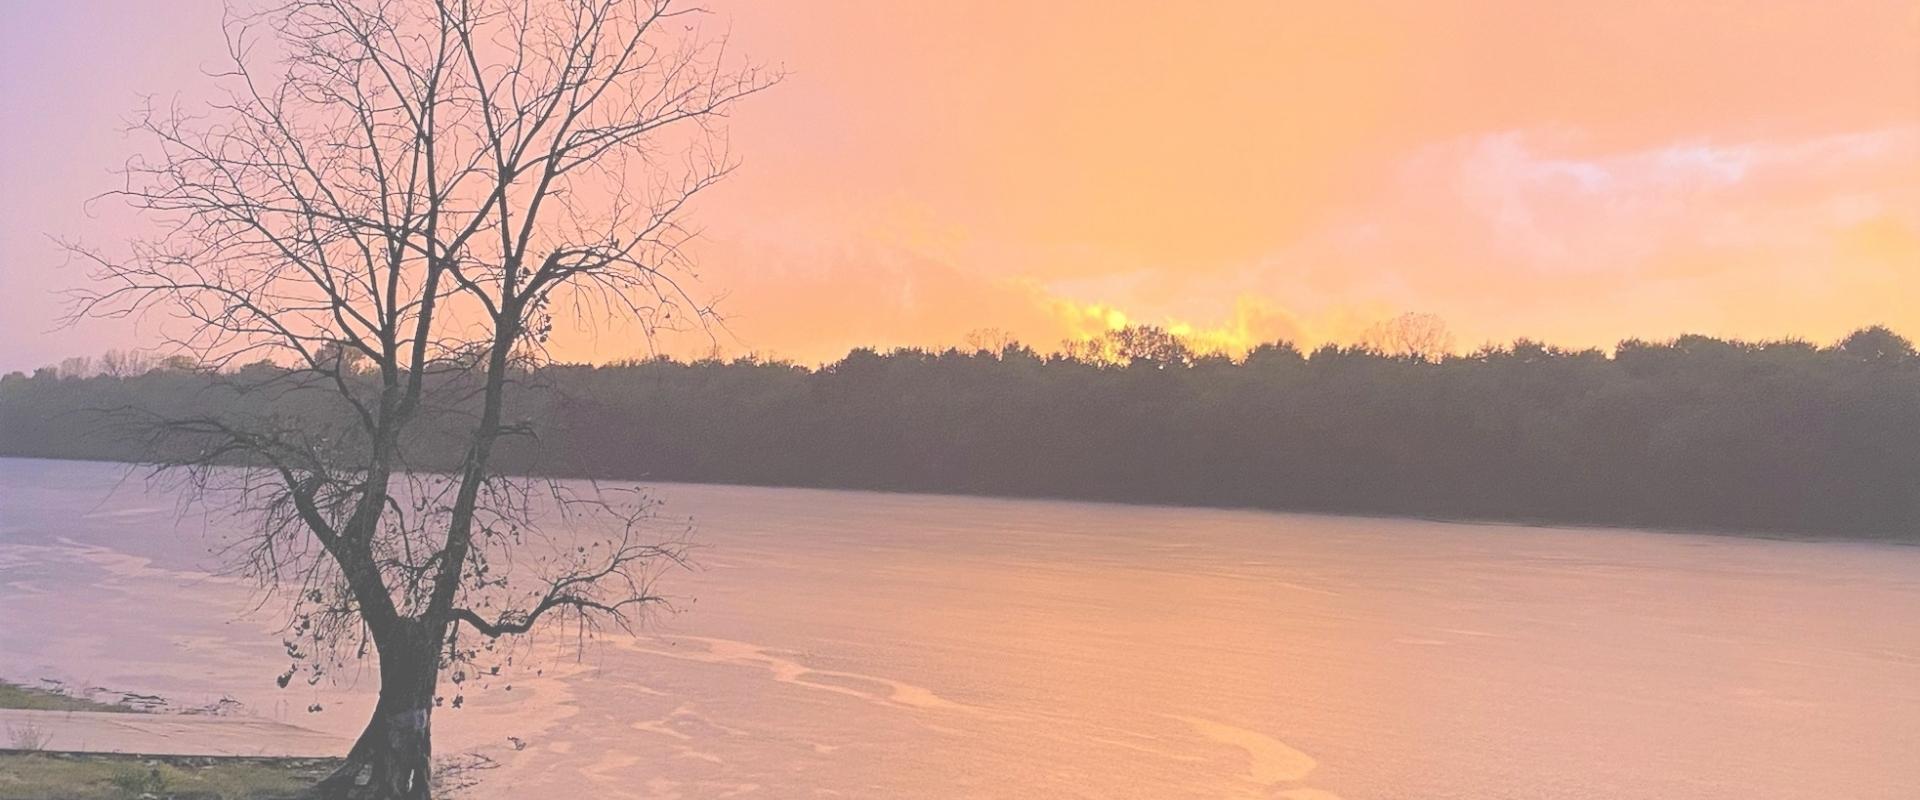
pixel 1252 321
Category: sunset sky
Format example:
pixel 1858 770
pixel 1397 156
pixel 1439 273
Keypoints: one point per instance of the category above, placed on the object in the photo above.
pixel 1577 172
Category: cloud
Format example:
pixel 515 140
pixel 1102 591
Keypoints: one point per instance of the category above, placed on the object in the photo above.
pixel 812 302
pixel 1538 205
pixel 1532 233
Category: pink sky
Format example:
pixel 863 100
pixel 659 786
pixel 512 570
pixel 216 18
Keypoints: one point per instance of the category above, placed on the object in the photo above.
pixel 1578 172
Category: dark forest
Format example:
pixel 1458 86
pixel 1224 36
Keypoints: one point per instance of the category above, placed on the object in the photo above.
pixel 1696 432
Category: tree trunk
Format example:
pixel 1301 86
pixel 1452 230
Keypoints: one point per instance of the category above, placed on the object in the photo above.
pixel 393 758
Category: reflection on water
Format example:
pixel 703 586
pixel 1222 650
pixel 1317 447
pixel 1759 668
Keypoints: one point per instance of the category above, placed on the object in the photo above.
pixel 841 644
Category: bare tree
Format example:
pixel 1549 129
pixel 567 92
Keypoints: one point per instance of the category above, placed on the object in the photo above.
pixel 76 367
pixel 125 363
pixel 1132 344
pixel 989 340
pixel 1420 337
pixel 390 203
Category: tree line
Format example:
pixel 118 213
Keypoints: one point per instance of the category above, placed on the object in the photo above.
pixel 1694 432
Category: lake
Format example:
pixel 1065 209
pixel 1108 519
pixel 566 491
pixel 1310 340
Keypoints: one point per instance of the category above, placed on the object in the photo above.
pixel 852 644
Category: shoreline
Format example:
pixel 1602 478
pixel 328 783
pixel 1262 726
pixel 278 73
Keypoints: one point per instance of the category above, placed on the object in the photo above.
pixel 1765 534
pixel 51 774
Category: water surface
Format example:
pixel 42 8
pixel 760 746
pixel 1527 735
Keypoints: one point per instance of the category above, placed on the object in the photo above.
pixel 848 644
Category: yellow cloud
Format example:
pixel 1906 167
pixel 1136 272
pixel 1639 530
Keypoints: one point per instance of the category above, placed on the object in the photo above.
pixel 1255 321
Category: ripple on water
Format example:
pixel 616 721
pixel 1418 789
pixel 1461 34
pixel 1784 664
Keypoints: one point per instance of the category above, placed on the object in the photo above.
pixel 1271 762
pixel 872 688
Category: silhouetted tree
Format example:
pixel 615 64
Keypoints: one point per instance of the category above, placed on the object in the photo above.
pixel 385 220
pixel 1877 344
pixel 1421 337
pixel 988 340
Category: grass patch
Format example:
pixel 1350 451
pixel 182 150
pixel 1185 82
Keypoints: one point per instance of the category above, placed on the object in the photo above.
pixel 60 776
pixel 13 695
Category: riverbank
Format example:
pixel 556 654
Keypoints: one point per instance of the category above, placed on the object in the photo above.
pixel 37 698
pixel 59 745
pixel 113 776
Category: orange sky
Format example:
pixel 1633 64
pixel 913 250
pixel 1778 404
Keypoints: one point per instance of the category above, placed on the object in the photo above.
pixel 1579 172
